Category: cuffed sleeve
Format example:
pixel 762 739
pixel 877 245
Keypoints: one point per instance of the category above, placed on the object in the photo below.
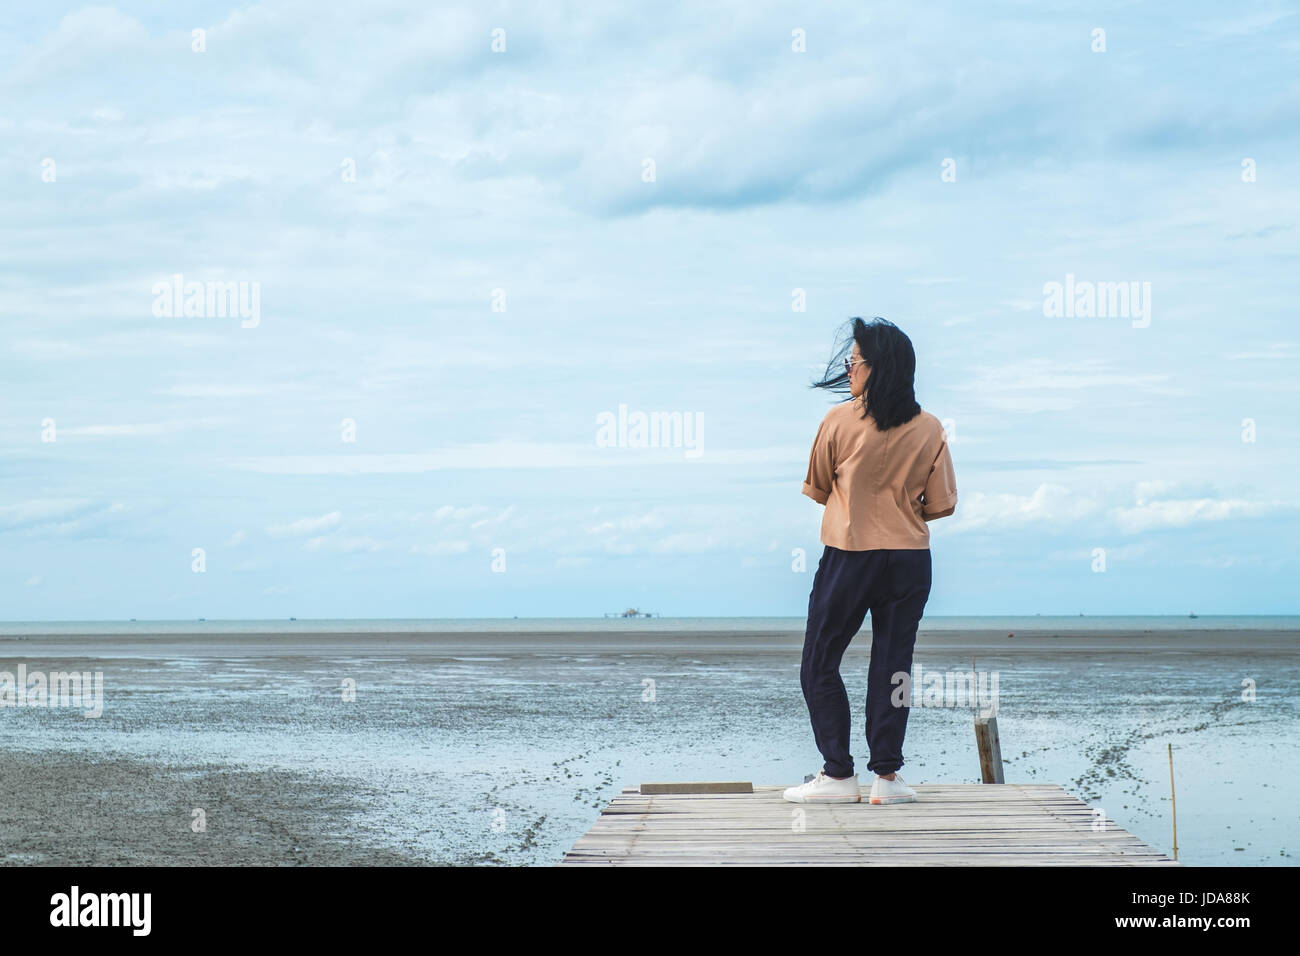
pixel 940 496
pixel 821 466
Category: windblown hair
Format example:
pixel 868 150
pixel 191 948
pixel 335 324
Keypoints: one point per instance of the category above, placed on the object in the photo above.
pixel 890 395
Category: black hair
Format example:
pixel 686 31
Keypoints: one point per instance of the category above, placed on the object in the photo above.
pixel 890 395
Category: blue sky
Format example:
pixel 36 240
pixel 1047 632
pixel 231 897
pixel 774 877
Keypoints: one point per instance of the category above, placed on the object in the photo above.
pixel 517 177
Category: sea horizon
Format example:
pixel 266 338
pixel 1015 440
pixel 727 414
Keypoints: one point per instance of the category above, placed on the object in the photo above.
pixel 618 623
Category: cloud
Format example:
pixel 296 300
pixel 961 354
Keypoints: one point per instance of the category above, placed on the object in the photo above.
pixel 224 390
pixel 49 349
pixel 441 547
pixel 1143 491
pixel 1048 384
pixel 1179 513
pixel 343 544
pixel 1039 464
pixel 110 431
pixel 1156 505
pixel 304 526
pixel 1241 23
pixel 1227 560
pixel 1063 374
pixel 1273 350
pixel 1049 504
pixel 509 455
pixel 90 37
pixel 56 516
pixel 140 429
pixel 1165 503
pixel 644 522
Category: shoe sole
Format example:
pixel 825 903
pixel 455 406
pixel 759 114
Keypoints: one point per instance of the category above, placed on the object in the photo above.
pixel 882 801
pixel 836 799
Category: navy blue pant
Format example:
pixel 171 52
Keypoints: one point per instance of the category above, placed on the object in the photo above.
pixel 894 586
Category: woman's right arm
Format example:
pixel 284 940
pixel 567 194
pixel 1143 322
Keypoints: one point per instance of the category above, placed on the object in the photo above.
pixel 821 466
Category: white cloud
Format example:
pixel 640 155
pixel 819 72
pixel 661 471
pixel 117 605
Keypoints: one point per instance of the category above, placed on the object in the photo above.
pixel 1041 374
pixel 509 455
pixel 140 429
pixel 1273 350
pixel 344 544
pixel 1178 513
pixel 441 547
pixel 306 525
pixel 646 522
pixel 222 390
pixel 1040 384
pixel 59 516
pixel 1048 505
pixel 1143 491
pixel 1154 507
pixel 93 35
pixel 49 349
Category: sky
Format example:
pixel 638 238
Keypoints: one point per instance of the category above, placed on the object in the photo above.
pixel 467 237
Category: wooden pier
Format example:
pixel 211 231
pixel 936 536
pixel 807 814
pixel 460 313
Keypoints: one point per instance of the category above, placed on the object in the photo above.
pixel 958 824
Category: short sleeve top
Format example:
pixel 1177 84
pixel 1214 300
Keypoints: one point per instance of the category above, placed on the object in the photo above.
pixel 879 487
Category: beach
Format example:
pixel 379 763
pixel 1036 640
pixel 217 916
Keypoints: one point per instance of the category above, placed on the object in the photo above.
pixel 312 745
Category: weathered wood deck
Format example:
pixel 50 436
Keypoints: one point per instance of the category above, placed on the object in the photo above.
pixel 963 824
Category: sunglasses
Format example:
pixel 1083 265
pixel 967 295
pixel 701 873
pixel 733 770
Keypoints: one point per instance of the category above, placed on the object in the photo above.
pixel 849 363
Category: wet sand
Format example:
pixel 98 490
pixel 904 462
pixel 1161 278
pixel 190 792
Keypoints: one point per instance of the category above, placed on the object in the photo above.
pixel 214 643
pixel 500 749
pixel 73 809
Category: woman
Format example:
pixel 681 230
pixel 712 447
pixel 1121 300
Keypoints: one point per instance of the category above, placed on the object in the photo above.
pixel 881 467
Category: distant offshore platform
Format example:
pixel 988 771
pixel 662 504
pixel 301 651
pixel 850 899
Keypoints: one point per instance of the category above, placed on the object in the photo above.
pixel 633 612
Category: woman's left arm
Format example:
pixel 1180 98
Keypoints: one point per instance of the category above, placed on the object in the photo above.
pixel 940 496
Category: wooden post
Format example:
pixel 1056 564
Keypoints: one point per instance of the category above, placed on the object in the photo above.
pixel 986 739
pixel 1173 805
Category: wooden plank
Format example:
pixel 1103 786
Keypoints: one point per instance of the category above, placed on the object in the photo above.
pixel 949 825
pixel 740 786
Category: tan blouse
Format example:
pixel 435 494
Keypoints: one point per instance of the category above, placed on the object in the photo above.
pixel 879 488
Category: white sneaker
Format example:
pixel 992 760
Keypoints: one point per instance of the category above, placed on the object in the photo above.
pixel 824 789
pixel 892 791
